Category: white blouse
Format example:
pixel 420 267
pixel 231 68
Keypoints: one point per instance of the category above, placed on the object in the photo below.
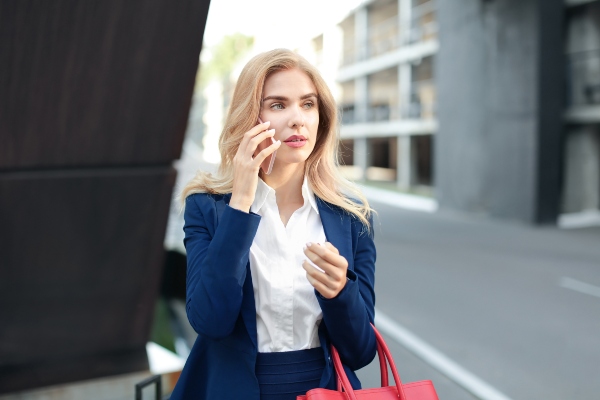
pixel 287 311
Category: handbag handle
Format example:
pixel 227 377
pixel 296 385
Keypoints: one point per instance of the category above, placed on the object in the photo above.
pixel 382 368
pixel 384 355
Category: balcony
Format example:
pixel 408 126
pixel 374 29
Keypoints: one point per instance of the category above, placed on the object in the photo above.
pixel 423 23
pixel 384 37
pixel 583 86
pixel 387 35
pixel 422 101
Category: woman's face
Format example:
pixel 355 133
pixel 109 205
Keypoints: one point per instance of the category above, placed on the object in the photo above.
pixel 290 103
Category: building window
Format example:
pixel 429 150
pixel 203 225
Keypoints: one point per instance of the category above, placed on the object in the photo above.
pixel 422 148
pixel 383 27
pixel 422 93
pixel 383 96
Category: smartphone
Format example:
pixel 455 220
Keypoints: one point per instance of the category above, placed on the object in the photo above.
pixel 267 164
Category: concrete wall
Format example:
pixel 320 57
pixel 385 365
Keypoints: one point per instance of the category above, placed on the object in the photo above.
pixel 499 79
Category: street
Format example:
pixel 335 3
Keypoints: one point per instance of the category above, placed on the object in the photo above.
pixel 495 298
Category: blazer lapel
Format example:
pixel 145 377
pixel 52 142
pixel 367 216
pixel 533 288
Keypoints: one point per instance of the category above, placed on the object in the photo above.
pixel 338 231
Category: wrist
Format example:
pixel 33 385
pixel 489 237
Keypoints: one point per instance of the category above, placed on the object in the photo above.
pixel 238 205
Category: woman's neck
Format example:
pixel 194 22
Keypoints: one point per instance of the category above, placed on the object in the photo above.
pixel 287 183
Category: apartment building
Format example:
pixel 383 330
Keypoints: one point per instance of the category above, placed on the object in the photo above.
pixel 382 59
pixel 581 191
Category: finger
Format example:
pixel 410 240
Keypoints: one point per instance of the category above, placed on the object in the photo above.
pixel 315 280
pixel 327 280
pixel 326 254
pixel 334 273
pixel 253 132
pixel 257 140
pixel 260 157
pixel 331 247
pixel 324 271
pixel 331 270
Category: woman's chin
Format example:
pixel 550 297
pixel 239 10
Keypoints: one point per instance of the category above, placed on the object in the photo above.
pixel 289 162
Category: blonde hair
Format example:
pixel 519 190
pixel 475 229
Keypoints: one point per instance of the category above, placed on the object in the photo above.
pixel 321 167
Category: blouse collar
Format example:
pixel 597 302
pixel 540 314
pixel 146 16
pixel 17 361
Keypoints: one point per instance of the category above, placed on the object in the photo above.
pixel 263 191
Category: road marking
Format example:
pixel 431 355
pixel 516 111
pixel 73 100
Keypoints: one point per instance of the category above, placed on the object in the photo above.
pixel 436 359
pixel 578 286
pixel 408 201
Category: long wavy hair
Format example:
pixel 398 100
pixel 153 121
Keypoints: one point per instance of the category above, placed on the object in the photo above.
pixel 321 167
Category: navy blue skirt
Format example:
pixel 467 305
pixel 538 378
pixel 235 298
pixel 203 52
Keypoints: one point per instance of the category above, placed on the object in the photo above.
pixel 285 375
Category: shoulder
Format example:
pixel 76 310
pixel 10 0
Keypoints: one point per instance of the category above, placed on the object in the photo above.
pixel 203 200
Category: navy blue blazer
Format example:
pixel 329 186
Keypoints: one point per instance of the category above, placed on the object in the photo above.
pixel 220 299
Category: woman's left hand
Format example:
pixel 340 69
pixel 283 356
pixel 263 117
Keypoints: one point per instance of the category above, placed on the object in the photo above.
pixel 332 279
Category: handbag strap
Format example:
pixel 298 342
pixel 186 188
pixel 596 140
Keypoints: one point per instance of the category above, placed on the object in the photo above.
pixel 384 355
pixel 382 366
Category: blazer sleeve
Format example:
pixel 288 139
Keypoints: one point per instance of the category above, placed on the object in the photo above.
pixel 349 315
pixel 217 256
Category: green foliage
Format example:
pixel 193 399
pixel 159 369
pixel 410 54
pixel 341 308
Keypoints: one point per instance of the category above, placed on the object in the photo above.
pixel 224 57
pixel 161 328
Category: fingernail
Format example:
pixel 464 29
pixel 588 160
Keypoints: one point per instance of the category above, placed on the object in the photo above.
pixel 308 244
pixel 271 131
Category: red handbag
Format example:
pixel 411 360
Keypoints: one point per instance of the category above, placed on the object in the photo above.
pixel 422 390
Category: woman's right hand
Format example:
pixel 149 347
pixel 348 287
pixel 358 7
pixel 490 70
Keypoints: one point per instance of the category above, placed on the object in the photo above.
pixel 246 166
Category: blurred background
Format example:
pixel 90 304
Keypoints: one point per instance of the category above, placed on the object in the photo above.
pixel 473 127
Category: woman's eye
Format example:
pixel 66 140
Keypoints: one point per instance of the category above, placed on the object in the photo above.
pixel 276 106
pixel 310 104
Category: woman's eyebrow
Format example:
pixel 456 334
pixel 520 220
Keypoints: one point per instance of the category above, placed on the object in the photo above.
pixel 283 98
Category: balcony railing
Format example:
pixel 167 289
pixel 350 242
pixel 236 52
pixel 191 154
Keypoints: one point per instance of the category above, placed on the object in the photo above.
pixel 422 101
pixel 379 112
pixel 389 34
pixel 423 23
pixel 347 112
pixel 384 37
pixel 583 78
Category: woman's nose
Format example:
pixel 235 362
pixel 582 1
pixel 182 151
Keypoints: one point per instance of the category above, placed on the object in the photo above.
pixel 296 119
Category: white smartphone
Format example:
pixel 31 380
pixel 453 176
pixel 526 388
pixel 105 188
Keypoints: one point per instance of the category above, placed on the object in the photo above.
pixel 267 164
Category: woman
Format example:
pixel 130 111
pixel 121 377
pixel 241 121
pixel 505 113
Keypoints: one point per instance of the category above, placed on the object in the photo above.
pixel 280 266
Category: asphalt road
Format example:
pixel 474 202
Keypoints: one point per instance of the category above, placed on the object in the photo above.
pixel 491 296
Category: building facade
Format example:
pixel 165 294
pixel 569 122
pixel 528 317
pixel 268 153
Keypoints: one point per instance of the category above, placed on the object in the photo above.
pixel 382 60
pixel 491 107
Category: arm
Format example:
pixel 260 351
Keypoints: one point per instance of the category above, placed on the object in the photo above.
pixel 216 264
pixel 348 315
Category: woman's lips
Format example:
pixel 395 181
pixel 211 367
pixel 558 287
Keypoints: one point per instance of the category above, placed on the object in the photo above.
pixel 295 141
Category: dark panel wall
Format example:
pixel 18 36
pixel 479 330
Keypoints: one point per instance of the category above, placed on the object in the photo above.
pixel 96 82
pixel 494 112
pixel 82 253
pixel 94 98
